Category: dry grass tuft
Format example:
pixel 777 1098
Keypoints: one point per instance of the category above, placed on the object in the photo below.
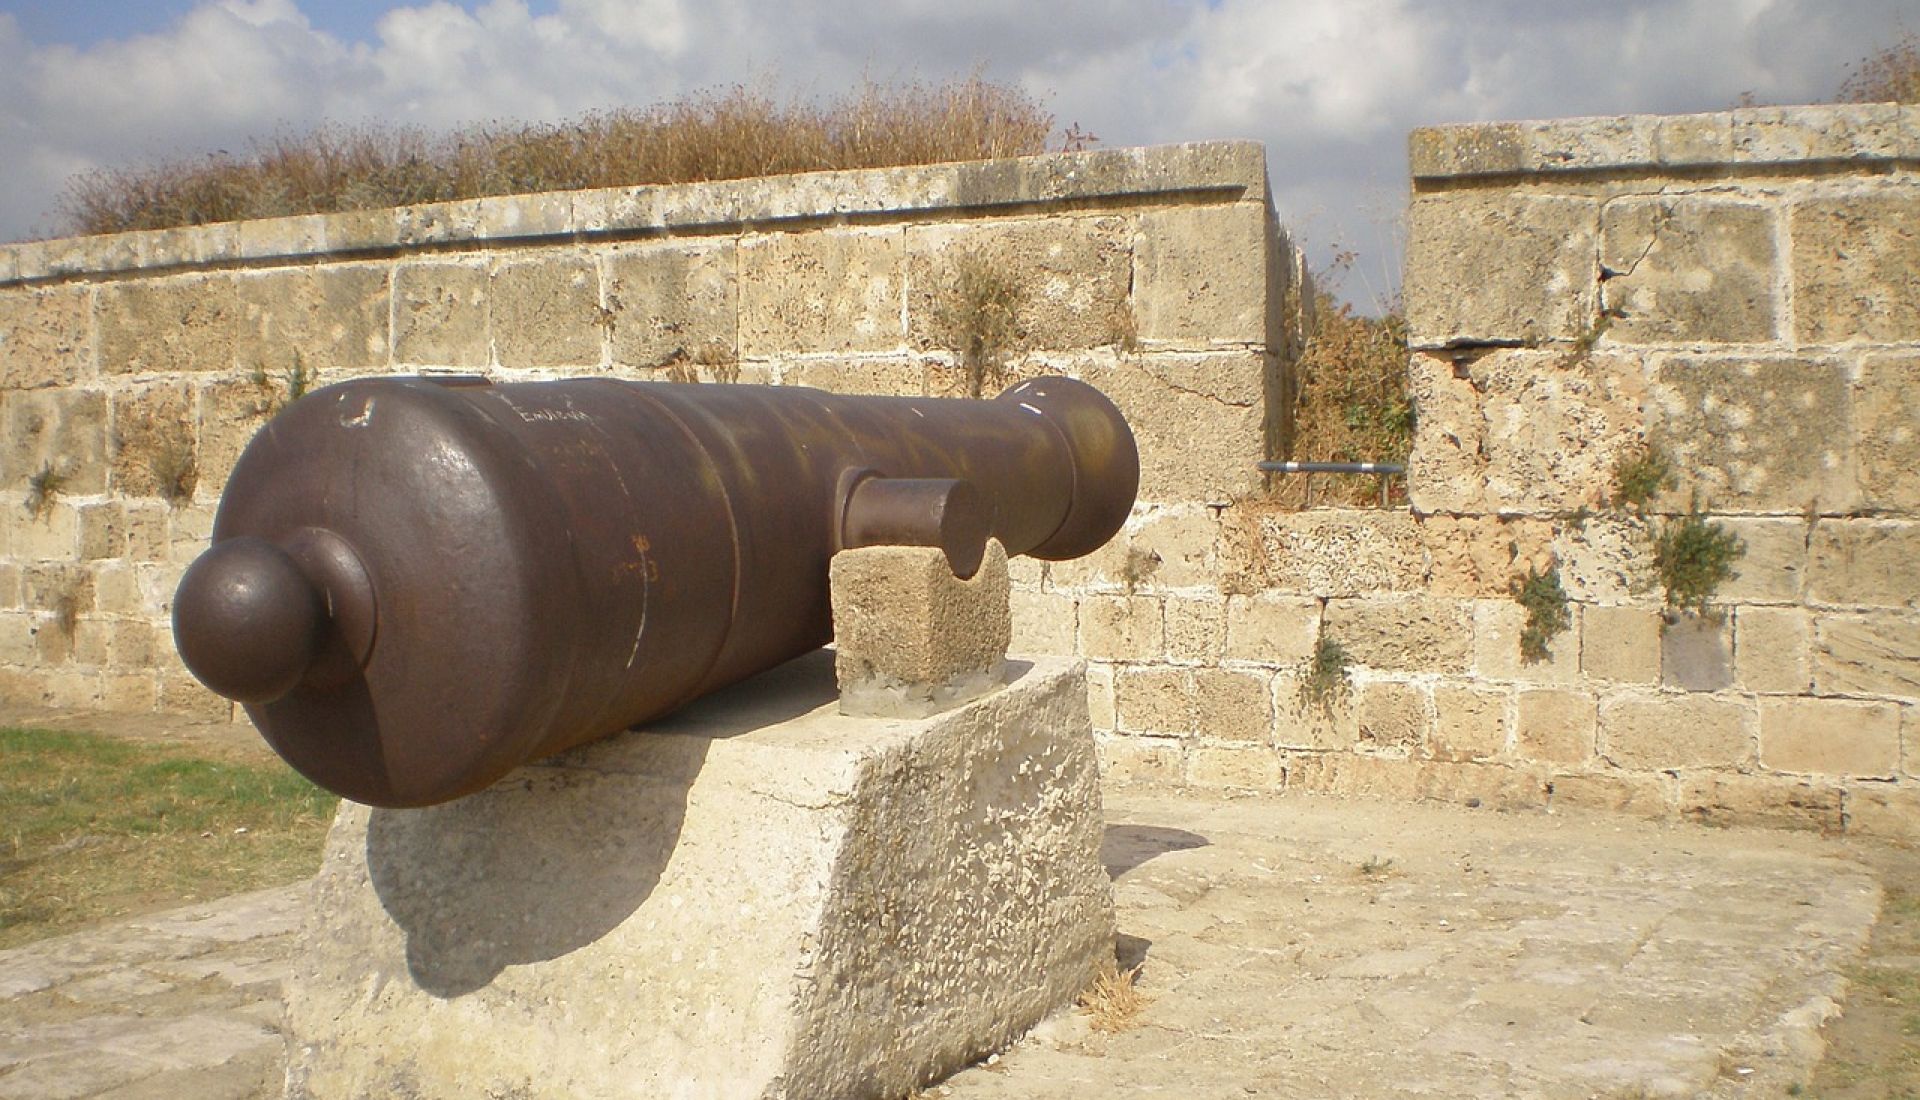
pixel 1114 1000
pixel 1890 76
pixel 730 134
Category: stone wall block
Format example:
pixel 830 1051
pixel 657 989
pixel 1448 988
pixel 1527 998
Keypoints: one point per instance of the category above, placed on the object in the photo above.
pixel 1121 628
pixel 1696 652
pixel 1497 626
pixel 1196 629
pixel 1834 131
pixel 1154 700
pixel 1403 633
pixel 1652 796
pixel 1772 649
pixel 1690 269
pixel 825 291
pixel 44 337
pixel 1766 801
pixel 1481 556
pixel 1500 266
pixel 440 315
pixel 60 430
pixel 1864 563
pixel 1555 727
pixel 1892 813
pixel 1886 404
pixel 231 413
pixel 130 692
pixel 1651 732
pixel 1322 553
pixel 1469 722
pixel 1126 759
pixel 1044 622
pixel 1199 422
pixel 167 325
pixel 1304 722
pixel 1832 737
pixel 672 300
pixel 54 535
pixel 546 312
pixel 1522 431
pixel 1867 655
pixel 1200 275
pixel 1620 644
pixel 1235 767
pixel 1175 548
pixel 1271 629
pixel 1233 705
pixel 879 377
pixel 1773 568
pixel 316 321
pixel 1100 696
pixel 1853 262
pixel 1069 279
pixel 1760 434
pixel 1393 715
pixel 155 446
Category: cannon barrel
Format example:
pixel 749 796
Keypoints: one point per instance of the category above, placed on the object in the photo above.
pixel 417 584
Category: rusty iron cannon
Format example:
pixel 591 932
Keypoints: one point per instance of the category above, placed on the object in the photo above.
pixel 417 584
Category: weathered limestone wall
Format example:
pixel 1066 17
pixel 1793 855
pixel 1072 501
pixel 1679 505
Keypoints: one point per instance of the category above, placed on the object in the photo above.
pixel 1738 289
pixel 135 367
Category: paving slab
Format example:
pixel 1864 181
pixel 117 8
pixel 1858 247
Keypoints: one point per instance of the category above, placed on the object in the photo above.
pixel 1291 946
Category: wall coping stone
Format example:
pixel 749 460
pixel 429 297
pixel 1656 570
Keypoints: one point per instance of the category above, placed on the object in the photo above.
pixel 1220 171
pixel 1747 137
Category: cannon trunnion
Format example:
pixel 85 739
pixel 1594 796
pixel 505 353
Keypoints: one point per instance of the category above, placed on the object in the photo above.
pixel 416 585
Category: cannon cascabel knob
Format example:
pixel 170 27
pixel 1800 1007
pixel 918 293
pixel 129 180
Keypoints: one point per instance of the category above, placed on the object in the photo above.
pixel 247 620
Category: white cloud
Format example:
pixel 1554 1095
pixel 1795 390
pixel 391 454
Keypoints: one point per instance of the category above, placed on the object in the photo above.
pixel 1331 88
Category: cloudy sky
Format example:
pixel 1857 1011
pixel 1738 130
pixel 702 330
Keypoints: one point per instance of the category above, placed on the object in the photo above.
pixel 1331 86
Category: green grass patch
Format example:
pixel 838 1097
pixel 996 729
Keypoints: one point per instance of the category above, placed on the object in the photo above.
pixel 93 828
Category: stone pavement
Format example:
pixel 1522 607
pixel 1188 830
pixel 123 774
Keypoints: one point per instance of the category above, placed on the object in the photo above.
pixel 1293 946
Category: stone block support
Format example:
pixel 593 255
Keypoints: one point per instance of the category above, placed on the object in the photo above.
pixel 757 897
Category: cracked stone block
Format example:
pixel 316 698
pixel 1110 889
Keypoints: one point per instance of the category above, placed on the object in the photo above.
pixel 1690 269
pixel 757 897
pixel 1521 431
pixel 1497 266
pixel 1754 433
pixel 1199 421
pixel 1853 262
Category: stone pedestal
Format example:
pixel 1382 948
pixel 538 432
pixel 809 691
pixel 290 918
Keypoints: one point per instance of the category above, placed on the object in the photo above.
pixel 759 897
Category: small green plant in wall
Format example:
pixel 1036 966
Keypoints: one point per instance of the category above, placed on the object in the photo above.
pixel 175 468
pixel 43 489
pixel 1640 475
pixel 289 386
pixel 1547 612
pixel 1326 680
pixel 1693 557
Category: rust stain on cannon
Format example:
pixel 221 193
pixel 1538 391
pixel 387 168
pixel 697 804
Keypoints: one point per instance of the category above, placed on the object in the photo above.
pixel 416 585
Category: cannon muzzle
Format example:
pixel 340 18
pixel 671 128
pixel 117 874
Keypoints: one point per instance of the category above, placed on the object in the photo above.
pixel 417 584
